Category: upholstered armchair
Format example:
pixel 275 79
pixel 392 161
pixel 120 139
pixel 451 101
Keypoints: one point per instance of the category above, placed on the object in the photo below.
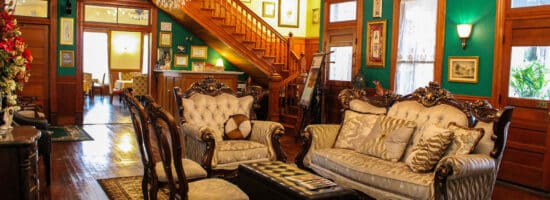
pixel 205 108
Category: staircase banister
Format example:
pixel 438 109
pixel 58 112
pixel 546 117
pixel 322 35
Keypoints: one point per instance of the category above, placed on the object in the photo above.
pixel 261 20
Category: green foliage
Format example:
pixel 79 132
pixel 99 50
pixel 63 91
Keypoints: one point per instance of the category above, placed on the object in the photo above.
pixel 529 81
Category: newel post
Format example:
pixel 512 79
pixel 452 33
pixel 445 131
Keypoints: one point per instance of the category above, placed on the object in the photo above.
pixel 274 90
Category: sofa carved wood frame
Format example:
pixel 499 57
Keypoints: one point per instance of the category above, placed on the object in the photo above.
pixel 432 95
pixel 212 87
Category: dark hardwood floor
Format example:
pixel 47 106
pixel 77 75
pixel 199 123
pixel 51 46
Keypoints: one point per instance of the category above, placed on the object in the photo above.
pixel 76 166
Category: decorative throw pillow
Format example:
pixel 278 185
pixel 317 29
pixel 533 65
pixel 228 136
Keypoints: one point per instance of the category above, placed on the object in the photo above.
pixel 355 128
pixel 465 139
pixel 388 138
pixel 430 149
pixel 237 127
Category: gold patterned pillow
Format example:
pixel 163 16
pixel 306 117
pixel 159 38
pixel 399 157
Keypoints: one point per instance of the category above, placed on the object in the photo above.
pixel 237 127
pixel 388 138
pixel 355 128
pixel 430 149
pixel 465 139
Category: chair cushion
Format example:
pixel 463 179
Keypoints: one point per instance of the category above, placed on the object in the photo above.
pixel 394 177
pixel 214 189
pixel 31 114
pixel 355 128
pixel 191 168
pixel 389 138
pixel 465 139
pixel 237 127
pixel 230 151
pixel 431 148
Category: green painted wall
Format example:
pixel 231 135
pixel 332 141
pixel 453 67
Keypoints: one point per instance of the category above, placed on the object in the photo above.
pixel 66 71
pixel 179 33
pixel 481 43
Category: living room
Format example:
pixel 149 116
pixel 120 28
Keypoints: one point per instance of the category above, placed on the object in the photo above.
pixel 493 51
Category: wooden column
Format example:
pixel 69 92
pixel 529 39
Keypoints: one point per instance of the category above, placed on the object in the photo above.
pixel 274 89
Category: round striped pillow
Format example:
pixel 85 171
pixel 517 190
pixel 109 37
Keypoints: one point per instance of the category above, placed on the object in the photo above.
pixel 237 127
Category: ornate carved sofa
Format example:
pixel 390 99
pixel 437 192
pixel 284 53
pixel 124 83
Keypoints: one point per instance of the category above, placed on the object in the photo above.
pixel 205 107
pixel 465 176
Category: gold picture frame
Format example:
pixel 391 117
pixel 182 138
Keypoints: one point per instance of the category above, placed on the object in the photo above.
pixel 200 52
pixel 198 66
pixel 165 39
pixel 463 69
pixel 181 60
pixel 377 8
pixel 289 13
pixel 315 16
pixel 376 43
pixel 66 31
pixel 66 58
pixel 268 9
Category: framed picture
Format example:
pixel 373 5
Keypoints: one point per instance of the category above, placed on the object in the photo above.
pixel 315 16
pixel 66 58
pixel 463 69
pixel 165 26
pixel 198 66
pixel 377 8
pixel 317 64
pixel 289 13
pixel 181 60
pixel 246 1
pixel 164 58
pixel 268 9
pixel 67 31
pixel 376 43
pixel 200 52
pixel 165 39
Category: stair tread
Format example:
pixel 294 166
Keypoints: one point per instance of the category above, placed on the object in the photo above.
pixel 289 115
pixel 217 17
pixel 289 125
pixel 208 9
pixel 269 57
pixel 249 41
pixel 228 26
pixel 241 34
pixel 258 49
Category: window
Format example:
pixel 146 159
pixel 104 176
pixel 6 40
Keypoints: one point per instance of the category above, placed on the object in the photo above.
pixel 345 11
pixel 32 8
pixel 96 60
pixel 529 3
pixel 530 72
pixel 107 14
pixel 416 45
pixel 341 63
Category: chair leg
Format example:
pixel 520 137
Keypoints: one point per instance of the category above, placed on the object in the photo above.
pixel 153 190
pixel 144 184
pixel 111 98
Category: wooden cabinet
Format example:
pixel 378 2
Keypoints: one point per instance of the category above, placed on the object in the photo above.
pixel 166 80
pixel 19 158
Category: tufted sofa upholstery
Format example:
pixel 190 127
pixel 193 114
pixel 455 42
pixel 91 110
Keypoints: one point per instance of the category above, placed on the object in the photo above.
pixel 469 176
pixel 203 112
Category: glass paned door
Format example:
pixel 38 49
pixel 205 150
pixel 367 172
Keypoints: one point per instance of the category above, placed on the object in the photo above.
pixel 530 72
pixel 529 3
pixel 340 66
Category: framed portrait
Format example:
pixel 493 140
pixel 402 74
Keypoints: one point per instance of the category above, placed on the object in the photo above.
pixel 268 9
pixel 164 58
pixel 376 43
pixel 315 16
pixel 198 66
pixel 66 58
pixel 67 31
pixel 165 26
pixel 289 13
pixel 463 69
pixel 181 60
pixel 200 52
pixel 165 39
pixel 377 8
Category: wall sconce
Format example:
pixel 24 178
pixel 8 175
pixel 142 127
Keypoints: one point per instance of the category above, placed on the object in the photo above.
pixel 68 7
pixel 464 32
pixel 219 63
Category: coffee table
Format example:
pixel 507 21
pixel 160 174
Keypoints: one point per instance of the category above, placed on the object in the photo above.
pixel 267 180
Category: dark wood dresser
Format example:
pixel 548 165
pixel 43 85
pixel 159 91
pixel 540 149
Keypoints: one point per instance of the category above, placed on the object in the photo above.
pixel 18 161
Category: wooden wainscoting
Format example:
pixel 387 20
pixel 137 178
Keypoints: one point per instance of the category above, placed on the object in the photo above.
pixel 67 93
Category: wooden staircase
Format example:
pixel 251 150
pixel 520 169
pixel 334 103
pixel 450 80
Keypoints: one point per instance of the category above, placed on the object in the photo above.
pixel 248 42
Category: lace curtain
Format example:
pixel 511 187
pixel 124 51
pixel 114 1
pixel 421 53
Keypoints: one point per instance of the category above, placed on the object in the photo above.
pixel 416 45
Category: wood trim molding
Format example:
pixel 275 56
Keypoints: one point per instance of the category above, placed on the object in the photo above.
pixel 53 62
pixel 394 44
pixel 440 40
pixel 473 98
pixel 498 52
pixel 358 40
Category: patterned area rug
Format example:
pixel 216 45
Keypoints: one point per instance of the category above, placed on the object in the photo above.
pixel 69 133
pixel 126 188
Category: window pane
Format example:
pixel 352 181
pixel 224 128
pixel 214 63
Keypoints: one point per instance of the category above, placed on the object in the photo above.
pixel 341 63
pixel 145 55
pixel 32 8
pixel 529 3
pixel 133 16
pixel 530 72
pixel 100 14
pixel 345 11
pixel 416 45
pixel 95 55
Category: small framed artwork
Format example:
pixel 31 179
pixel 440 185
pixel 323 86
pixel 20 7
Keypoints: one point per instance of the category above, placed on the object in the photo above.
pixel 165 39
pixel 289 13
pixel 164 58
pixel 246 1
pixel 463 69
pixel 165 26
pixel 377 8
pixel 198 66
pixel 66 58
pixel 200 52
pixel 67 31
pixel 315 16
pixel 181 60
pixel 376 43
pixel 268 9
